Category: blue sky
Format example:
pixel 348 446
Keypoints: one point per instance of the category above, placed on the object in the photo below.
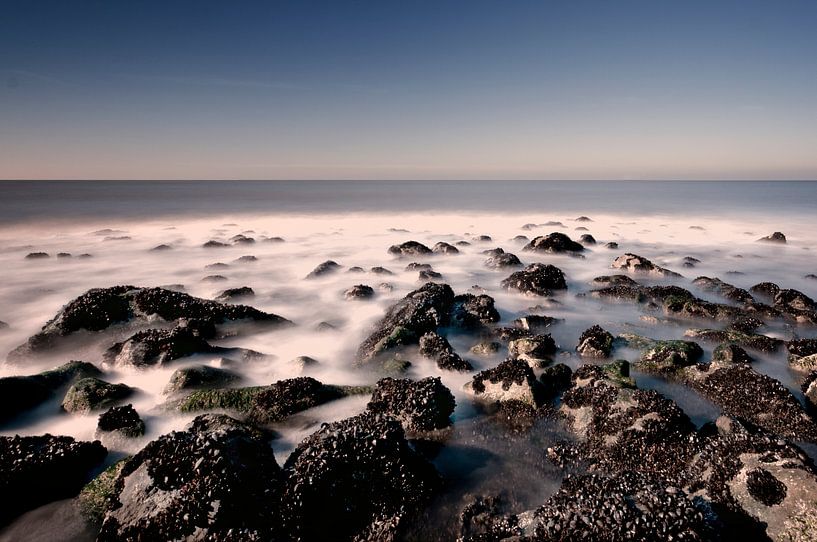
pixel 408 90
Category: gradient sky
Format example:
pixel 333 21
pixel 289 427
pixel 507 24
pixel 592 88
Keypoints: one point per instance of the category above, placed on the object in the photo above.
pixel 408 90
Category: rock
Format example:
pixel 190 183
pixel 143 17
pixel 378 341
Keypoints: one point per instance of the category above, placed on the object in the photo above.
pixel 503 259
pixel 161 248
pixel 612 245
pixel 555 379
pixel 274 240
pixel 94 498
pixel 535 350
pixel 437 348
pixel 157 347
pixel 667 357
pixel 380 271
pixel 618 373
pixel 234 293
pixel 809 388
pixel 37 256
pixel 732 293
pixel 520 239
pixel 595 342
pixel 98 309
pixel 776 237
pixel 3 325
pixel 249 258
pixel 214 244
pixel 444 248
pixel 123 420
pixel 198 377
pixel 357 479
pixel 217 265
pixel 40 469
pixel 421 311
pixel 587 239
pixel 360 291
pixel 482 238
pixel 511 380
pixel 761 343
pixel 765 290
pixel 485 348
pixel 463 244
pixel 326 268
pixel 637 264
pixel 555 243
pixel 91 393
pixel 537 279
pixel 62 255
pixel 414 266
pixel 241 239
pixel 214 278
pixel 426 275
pixel 356 269
pixel 755 480
pixel 535 323
pixel 741 391
pixel 583 219
pixel 215 481
pixel 410 248
pixel 21 393
pixel 730 353
pixel 422 405
pixel 471 311
pixel 810 276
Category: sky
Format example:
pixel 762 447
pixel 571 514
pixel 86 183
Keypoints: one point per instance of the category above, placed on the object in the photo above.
pixel 246 89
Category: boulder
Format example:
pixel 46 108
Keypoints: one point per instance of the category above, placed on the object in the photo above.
pixel 502 260
pixel 554 243
pixel 667 357
pixel 535 323
pixel 511 380
pixel 437 348
pixel 444 248
pixel 730 353
pixel 21 393
pixel 535 349
pixel 428 275
pixel 471 311
pixel 776 237
pixel 587 239
pixel 536 279
pixel 199 377
pixel 123 420
pixel 410 248
pixel 359 292
pixel 235 293
pixel 88 394
pixel 158 346
pixel 422 405
pixel 323 269
pixel 595 342
pixel 638 264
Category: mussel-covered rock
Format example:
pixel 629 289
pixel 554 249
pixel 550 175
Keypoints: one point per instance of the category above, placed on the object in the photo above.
pixel 667 357
pixel 198 377
pixel 776 237
pixel 555 243
pixel 323 269
pixel 91 393
pixel 595 342
pixel 37 470
pixel 535 323
pixel 421 311
pixel 359 291
pixel 471 311
pixel 215 481
pixel 802 354
pixel 537 279
pixel 753 341
pixel 21 393
pixel 730 353
pixel 123 420
pixel 730 292
pixel 502 259
pixel 511 380
pixel 534 349
pixel 410 248
pixel 437 348
pixel 235 293
pixel 158 346
pixel 422 405
pixel 444 248
pixel 356 479
pixel 587 239
pixel 638 264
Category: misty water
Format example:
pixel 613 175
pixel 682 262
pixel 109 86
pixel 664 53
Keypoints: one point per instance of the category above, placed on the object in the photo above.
pixel 118 225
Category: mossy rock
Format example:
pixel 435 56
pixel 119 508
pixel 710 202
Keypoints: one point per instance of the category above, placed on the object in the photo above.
pixel 95 496
pixel 236 399
pixel 632 340
pixel 89 394
pixel 197 377
pixel 618 372
pixel 667 357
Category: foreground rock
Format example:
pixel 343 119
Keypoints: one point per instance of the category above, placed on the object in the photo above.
pixel 420 406
pixel 123 420
pixel 512 381
pixel 90 393
pixel 21 393
pixel 536 279
pixel 554 243
pixel 357 479
pixel 638 264
pixel 38 470
pixel 215 481
pixel 595 342
pixel 98 309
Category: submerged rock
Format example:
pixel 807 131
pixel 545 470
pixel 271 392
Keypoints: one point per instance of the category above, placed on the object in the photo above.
pixel 123 420
pixel 323 269
pixel 587 239
pixel 444 248
pixel 410 248
pixel 503 259
pixel 37 470
pixel 511 380
pixel 360 291
pixel 537 279
pixel 422 405
pixel 715 285
pixel 21 393
pixel 730 353
pixel 555 243
pixel 234 293
pixel 90 393
pixel 776 237
pixel 754 341
pixel 595 342
pixel 198 377
pixel 158 346
pixel 215 481
pixel 356 479
pixel 37 256
pixel 428 274
pixel 534 349
pixel 641 265
pixel 535 323
pixel 437 348
pixel 471 311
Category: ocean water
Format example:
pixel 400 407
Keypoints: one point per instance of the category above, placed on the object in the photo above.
pixel 354 223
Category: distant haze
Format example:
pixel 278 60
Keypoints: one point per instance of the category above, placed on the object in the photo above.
pixel 408 90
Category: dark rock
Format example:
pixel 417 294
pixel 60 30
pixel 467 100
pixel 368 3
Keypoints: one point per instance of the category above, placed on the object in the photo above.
pixel 214 244
pixel 730 353
pixel 776 237
pixel 303 363
pixel 63 255
pixel 511 380
pixel 641 265
pixel 534 349
pixel 122 419
pixel 360 291
pixel 161 248
pixel 233 293
pixel 520 239
pixel 437 348
pixel 463 244
pixel 535 323
pixel 555 242
pixel 444 248
pixel 380 271
pixel 587 239
pixel 410 248
pixel 766 290
pixel 471 311
pixel 21 393
pixel 326 268
pixel 241 239
pixel 37 470
pixel 414 266
pixel 485 348
pixel 612 245
pixel 215 481
pixel 754 341
pixel 667 357
pixel 426 275
pixel 249 258
pixel 595 342
pixel 214 278
pixel 503 259
pixel 356 269
pixel 91 393
pixel 482 238
pixel 422 405
pixel 732 293
pixel 198 377
pixel 538 279
pixel 357 479
pixel 217 265
pixel 37 255
pixel 421 311
pixel 555 379
pixel 764 487
pixel 583 219
pixel 810 276
pixel 157 347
